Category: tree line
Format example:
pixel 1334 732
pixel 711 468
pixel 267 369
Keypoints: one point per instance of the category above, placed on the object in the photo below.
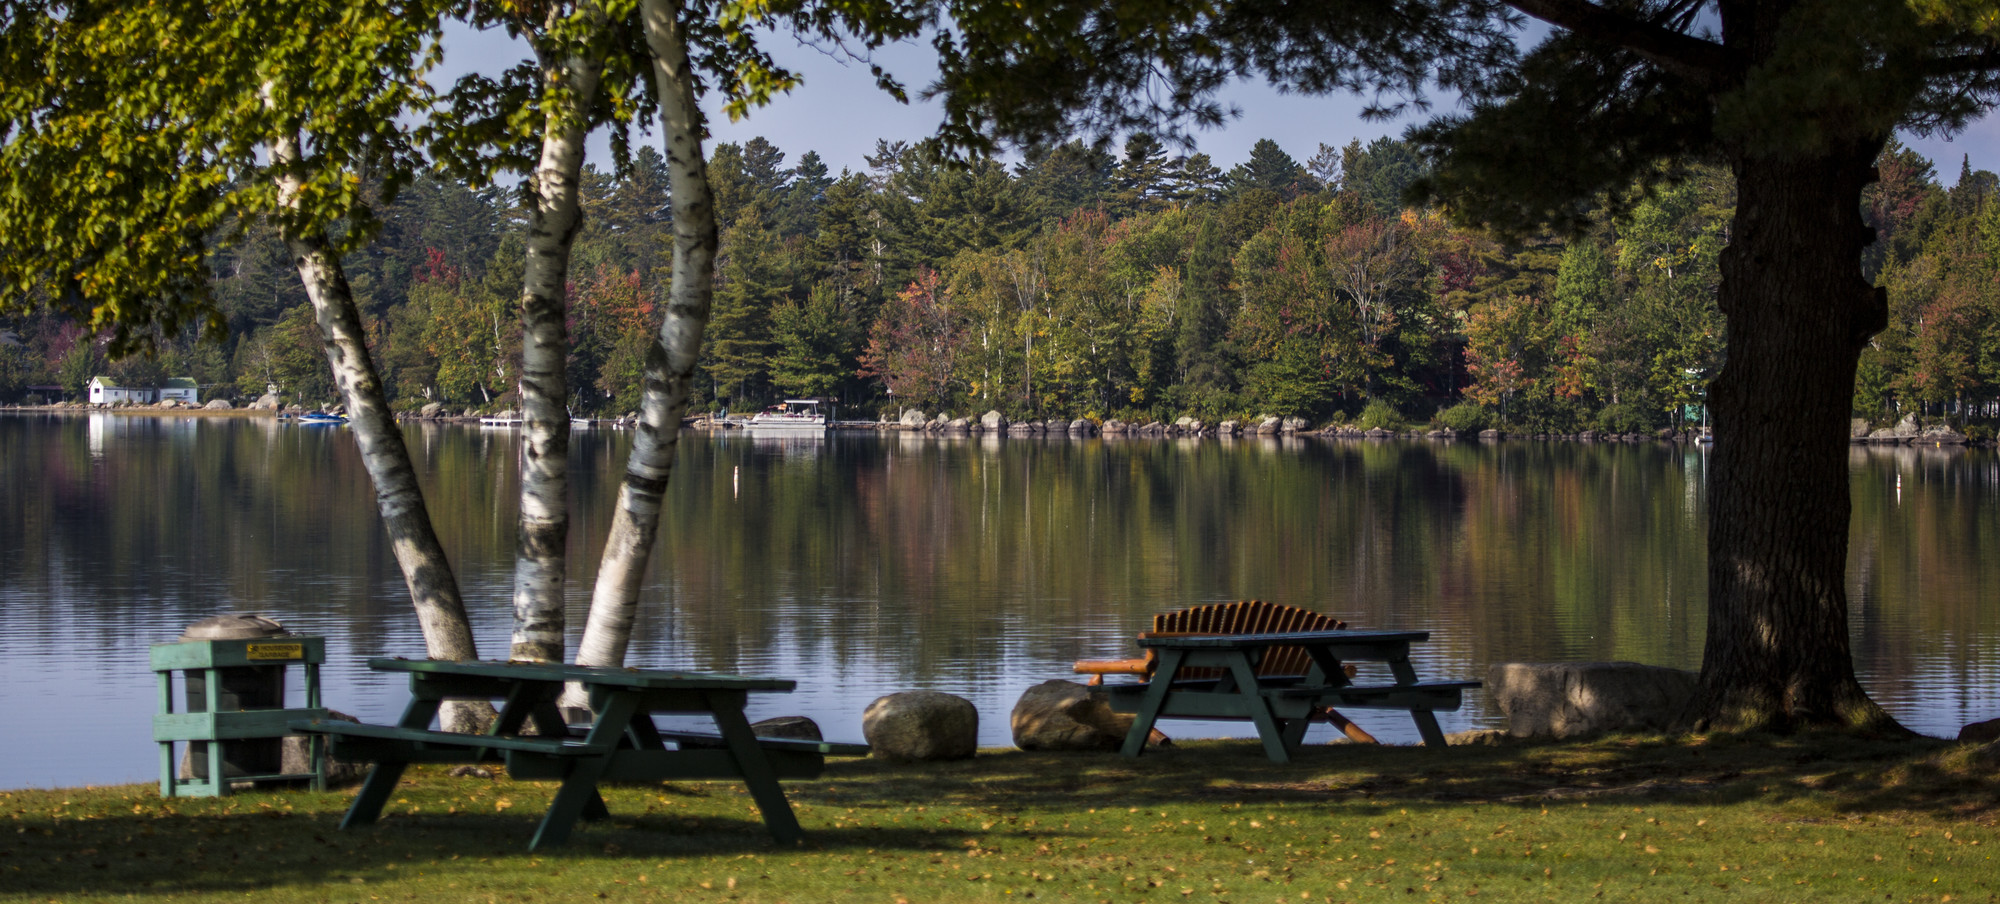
pixel 1082 283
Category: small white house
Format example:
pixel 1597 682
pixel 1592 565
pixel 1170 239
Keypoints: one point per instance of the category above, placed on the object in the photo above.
pixel 179 389
pixel 106 391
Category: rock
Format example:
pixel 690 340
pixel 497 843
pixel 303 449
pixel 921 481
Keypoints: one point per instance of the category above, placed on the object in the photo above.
pixel 1195 426
pixel 1268 425
pixel 1114 426
pixel 266 402
pixel 1153 428
pixel 1665 434
pixel 1577 699
pixel 1857 428
pixel 1980 732
pixel 919 726
pixel 1907 426
pixel 217 405
pixel 1081 427
pixel 1185 424
pixel 1292 425
pixel 1227 428
pixel 797 728
pixel 470 772
pixel 431 409
pixel 993 421
pixel 1886 436
pixel 1065 715
pixel 1940 436
pixel 1490 433
pixel 1482 737
pixel 1377 433
pixel 937 423
pixel 912 418
pixel 957 425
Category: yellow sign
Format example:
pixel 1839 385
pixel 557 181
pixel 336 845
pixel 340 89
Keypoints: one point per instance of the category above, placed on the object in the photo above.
pixel 277 651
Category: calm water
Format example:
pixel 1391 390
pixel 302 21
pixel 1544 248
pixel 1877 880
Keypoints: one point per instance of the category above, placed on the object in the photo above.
pixel 864 565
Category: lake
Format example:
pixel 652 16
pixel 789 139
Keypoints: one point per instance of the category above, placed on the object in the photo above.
pixel 865 564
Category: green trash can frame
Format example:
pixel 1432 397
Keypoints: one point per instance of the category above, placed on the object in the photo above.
pixel 209 662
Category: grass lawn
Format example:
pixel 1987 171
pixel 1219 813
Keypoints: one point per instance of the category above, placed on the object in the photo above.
pixel 1626 819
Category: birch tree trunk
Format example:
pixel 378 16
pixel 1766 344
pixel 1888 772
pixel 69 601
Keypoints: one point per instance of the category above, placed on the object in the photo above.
pixel 670 363
pixel 540 553
pixel 426 571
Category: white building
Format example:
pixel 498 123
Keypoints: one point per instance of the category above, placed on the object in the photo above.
pixel 106 391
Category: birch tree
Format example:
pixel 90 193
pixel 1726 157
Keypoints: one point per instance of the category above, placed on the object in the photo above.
pixel 697 46
pixel 136 137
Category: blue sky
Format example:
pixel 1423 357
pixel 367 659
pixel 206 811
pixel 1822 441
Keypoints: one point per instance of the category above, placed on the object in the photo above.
pixel 840 113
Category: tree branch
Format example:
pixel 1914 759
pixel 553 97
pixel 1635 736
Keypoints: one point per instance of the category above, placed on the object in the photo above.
pixel 1702 62
pixel 1963 64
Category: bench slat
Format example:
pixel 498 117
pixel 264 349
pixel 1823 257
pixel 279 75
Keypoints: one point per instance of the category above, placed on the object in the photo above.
pixel 421 738
pixel 801 745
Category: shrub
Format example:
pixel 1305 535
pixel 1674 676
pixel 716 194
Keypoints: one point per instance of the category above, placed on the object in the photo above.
pixel 1465 417
pixel 1625 418
pixel 1380 414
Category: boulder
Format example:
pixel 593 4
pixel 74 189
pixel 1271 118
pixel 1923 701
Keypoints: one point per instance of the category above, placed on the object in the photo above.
pixel 1857 428
pixel 1377 433
pixel 919 726
pixel 1479 737
pixel 992 421
pixel 1292 425
pixel 1195 427
pixel 957 425
pixel 1065 715
pixel 1981 732
pixel 431 409
pixel 1081 427
pixel 912 418
pixel 1227 428
pixel 798 728
pixel 1578 699
pixel 1490 433
pixel 217 405
pixel 937 423
pixel 266 402
pixel 1185 424
pixel 1941 436
pixel 1886 435
pixel 1268 426
pixel 1114 426
pixel 1907 426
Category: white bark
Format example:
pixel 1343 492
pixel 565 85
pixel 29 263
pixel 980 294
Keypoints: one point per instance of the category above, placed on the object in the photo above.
pixel 426 570
pixel 540 555
pixel 670 363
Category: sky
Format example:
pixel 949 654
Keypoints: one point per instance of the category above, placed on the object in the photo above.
pixel 840 113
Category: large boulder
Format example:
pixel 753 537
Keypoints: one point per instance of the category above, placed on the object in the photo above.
pixel 1114 427
pixel 912 419
pixel 1578 699
pixel 217 405
pixel 1268 426
pixel 1292 425
pixel 1941 436
pixel 918 726
pixel 1065 715
pixel 1980 732
pixel 1907 426
pixel 431 410
pixel 1081 427
pixel 992 422
pixel 1857 428
pixel 266 402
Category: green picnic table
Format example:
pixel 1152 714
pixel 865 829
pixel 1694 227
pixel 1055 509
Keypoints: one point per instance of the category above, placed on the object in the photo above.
pixel 1229 687
pixel 622 745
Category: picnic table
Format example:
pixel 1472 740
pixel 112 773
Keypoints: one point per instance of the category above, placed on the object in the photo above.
pixel 1281 706
pixel 622 745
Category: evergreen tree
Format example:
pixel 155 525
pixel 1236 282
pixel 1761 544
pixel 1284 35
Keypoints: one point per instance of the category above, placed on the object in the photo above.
pixel 1271 169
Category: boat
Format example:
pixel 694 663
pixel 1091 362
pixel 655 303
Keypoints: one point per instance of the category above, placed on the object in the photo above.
pixel 794 415
pixel 319 419
pixel 501 420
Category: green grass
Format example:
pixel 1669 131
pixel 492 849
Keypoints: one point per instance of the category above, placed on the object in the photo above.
pixel 1626 819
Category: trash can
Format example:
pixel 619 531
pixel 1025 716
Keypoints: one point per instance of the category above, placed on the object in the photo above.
pixel 234 719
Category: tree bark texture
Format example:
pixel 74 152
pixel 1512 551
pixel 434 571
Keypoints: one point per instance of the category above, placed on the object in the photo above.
pixel 541 548
pixel 426 570
pixel 670 363
pixel 1777 651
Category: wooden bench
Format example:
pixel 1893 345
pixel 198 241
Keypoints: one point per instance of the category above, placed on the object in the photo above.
pixel 1241 617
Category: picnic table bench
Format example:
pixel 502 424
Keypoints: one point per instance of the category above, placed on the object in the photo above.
pixel 622 745
pixel 1281 706
pixel 1240 617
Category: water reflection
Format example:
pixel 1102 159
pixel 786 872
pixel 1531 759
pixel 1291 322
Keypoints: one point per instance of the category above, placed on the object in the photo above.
pixel 862 565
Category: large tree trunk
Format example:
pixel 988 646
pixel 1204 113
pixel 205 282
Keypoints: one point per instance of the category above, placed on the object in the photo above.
pixel 1799 313
pixel 433 588
pixel 670 363
pixel 540 553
